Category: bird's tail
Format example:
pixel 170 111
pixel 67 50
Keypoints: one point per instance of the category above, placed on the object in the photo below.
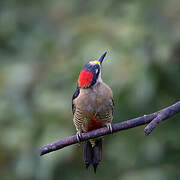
pixel 93 153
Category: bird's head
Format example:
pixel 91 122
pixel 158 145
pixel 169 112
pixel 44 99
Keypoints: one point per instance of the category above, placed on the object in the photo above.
pixel 91 73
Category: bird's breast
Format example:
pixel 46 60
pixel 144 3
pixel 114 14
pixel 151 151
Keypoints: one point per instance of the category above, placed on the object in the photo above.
pixel 94 106
pixel 94 99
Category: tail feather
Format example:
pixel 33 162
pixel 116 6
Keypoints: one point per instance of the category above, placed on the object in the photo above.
pixel 93 155
pixel 97 154
pixel 88 154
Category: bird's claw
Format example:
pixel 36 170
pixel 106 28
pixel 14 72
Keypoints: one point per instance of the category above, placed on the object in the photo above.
pixel 109 126
pixel 79 136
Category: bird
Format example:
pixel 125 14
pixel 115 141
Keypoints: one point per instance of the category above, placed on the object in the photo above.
pixel 92 107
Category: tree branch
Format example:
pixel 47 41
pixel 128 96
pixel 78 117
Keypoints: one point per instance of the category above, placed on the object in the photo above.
pixel 153 119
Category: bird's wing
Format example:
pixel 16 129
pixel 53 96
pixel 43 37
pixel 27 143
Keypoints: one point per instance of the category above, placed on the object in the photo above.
pixel 112 104
pixel 75 95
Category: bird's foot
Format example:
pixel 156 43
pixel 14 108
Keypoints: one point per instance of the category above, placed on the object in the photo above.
pixel 109 126
pixel 79 136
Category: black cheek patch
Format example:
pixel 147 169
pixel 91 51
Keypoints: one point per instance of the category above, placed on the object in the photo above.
pixel 95 74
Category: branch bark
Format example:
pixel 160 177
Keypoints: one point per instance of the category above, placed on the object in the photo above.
pixel 153 119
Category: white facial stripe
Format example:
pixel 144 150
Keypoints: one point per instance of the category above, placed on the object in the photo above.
pixel 99 77
pixel 92 62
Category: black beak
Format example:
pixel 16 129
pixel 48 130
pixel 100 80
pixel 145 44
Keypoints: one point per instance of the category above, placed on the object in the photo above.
pixel 102 57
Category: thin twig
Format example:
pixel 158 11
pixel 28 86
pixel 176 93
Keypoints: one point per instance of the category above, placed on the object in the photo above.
pixel 162 115
pixel 153 119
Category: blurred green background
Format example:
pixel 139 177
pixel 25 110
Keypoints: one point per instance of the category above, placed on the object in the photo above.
pixel 43 46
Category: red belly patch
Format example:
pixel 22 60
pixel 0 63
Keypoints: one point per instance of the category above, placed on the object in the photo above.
pixel 94 124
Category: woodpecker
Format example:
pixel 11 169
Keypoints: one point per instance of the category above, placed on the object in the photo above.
pixel 92 106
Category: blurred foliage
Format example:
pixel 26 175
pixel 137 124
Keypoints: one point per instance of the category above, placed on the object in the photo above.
pixel 43 46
